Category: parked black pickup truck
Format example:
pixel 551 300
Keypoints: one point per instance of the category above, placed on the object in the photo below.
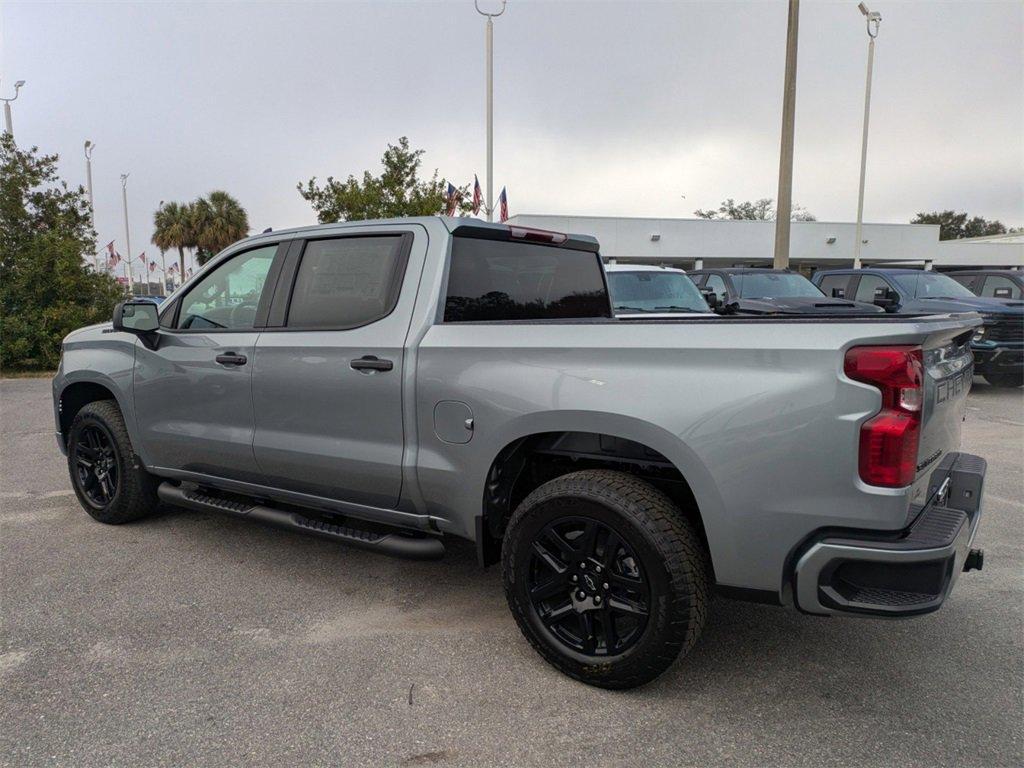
pixel 998 345
pixel 760 291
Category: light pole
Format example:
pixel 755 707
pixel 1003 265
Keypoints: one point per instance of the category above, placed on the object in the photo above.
pixel 489 205
pixel 89 147
pixel 7 108
pixel 785 196
pixel 127 236
pixel 874 20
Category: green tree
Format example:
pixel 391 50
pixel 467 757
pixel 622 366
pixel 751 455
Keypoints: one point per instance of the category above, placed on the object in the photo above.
pixel 218 221
pixel 953 225
pixel 397 192
pixel 172 229
pixel 757 210
pixel 46 290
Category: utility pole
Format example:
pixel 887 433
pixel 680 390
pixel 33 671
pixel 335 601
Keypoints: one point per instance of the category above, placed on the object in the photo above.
pixel 874 20
pixel 784 202
pixel 127 236
pixel 89 147
pixel 489 204
pixel 8 124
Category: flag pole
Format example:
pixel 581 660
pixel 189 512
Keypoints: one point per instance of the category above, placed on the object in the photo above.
pixel 489 206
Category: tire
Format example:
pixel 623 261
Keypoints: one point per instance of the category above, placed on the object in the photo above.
pixel 641 553
pixel 98 434
pixel 1008 380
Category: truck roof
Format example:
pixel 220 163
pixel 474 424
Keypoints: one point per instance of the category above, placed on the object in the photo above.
pixel 464 225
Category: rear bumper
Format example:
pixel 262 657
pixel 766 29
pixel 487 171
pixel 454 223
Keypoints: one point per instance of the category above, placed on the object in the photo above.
pixel 906 573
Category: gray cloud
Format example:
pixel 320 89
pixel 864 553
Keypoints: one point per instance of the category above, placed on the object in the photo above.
pixel 601 108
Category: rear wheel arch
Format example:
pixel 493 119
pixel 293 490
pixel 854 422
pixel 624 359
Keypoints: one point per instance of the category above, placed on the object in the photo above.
pixel 529 461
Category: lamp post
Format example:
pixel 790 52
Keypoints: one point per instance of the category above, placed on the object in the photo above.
pixel 785 196
pixel 874 20
pixel 89 147
pixel 489 204
pixel 7 108
pixel 127 236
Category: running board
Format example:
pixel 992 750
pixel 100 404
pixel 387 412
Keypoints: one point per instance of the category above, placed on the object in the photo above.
pixel 396 544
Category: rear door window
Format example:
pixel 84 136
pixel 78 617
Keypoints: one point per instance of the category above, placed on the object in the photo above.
pixel 1000 287
pixel 347 282
pixel 497 280
pixel 870 287
pixel 835 286
pixel 716 285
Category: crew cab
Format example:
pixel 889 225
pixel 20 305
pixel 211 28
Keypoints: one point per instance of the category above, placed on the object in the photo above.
pixel 761 291
pixel 998 345
pixel 647 290
pixel 393 384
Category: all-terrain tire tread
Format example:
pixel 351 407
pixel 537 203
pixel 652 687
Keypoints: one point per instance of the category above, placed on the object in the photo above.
pixel 683 553
pixel 136 497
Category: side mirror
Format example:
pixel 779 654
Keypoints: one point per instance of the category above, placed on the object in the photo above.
pixel 138 317
pixel 838 293
pixel 710 297
pixel 885 298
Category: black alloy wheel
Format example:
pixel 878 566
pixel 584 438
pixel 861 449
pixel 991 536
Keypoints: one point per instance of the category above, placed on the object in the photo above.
pixel 96 463
pixel 587 587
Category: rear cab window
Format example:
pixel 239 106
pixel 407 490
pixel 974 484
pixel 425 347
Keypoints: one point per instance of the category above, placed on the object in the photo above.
pixel 493 280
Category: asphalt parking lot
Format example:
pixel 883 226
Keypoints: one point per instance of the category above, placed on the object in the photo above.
pixel 192 639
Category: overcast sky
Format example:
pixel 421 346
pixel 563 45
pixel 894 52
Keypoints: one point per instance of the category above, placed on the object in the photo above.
pixel 600 108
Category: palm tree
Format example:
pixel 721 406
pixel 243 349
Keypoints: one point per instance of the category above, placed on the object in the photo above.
pixel 218 221
pixel 172 228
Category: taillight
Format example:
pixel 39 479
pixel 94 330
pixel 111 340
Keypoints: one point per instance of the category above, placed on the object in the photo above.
pixel 889 440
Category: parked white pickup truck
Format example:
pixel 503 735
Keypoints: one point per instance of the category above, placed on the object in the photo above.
pixel 388 384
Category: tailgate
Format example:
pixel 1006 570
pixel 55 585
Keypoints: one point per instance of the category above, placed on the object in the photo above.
pixel 948 369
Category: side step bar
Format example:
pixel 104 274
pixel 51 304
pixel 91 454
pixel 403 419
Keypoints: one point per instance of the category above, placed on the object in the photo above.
pixel 396 544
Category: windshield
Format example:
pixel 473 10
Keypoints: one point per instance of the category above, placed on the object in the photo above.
pixel 929 285
pixel 649 291
pixel 774 285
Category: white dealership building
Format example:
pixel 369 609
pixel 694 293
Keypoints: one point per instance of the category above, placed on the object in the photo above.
pixel 697 243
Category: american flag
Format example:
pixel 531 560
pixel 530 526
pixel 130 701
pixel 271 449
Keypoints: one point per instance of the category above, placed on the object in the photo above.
pixel 113 257
pixel 152 266
pixel 502 206
pixel 453 198
pixel 173 268
pixel 478 195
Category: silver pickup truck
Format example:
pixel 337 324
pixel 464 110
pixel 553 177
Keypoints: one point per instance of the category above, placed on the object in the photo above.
pixel 390 384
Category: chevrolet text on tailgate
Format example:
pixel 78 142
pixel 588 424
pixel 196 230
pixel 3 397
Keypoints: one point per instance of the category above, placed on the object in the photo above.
pixel 389 384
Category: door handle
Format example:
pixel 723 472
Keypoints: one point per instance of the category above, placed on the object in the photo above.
pixel 230 358
pixel 371 363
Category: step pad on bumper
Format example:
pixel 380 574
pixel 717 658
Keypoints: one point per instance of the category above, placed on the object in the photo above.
pixel 902 573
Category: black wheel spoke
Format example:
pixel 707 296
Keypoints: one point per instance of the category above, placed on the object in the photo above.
pixel 626 606
pixel 625 582
pixel 558 614
pixel 608 625
pixel 587 632
pixel 556 585
pixel 587 587
pixel 565 547
pixel 95 461
pixel 548 559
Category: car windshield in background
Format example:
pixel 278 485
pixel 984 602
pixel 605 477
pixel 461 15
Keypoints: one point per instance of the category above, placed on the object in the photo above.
pixel 929 285
pixel 774 285
pixel 648 291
